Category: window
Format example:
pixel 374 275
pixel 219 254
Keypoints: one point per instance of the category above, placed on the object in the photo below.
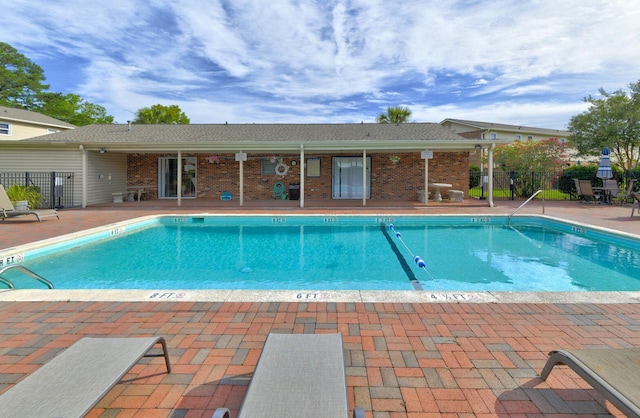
pixel 268 166
pixel 52 131
pixel 530 137
pixel 313 167
pixel 518 137
pixel 494 136
pixel 5 128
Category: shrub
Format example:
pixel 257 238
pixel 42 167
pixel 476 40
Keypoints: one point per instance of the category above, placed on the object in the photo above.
pixel 31 194
pixel 474 176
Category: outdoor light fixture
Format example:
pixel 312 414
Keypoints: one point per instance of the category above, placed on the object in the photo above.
pixel 103 150
pixel 478 148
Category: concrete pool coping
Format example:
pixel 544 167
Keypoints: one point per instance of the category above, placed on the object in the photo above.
pixel 328 296
pixel 357 296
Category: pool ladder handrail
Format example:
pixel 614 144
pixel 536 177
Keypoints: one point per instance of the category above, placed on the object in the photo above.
pixel 527 201
pixel 25 271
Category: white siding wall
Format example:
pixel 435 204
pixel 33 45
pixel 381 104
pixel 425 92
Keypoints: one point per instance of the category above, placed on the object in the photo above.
pixel 65 160
pixel 100 166
pixel 107 174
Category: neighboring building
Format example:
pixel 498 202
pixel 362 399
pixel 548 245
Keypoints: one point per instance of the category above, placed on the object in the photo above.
pixel 493 131
pixel 18 124
pixel 486 130
pixel 324 161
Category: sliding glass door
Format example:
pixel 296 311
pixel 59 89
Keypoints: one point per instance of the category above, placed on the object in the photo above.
pixel 168 177
pixel 347 178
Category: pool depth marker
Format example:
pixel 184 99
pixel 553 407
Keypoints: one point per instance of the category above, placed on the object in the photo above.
pixel 418 260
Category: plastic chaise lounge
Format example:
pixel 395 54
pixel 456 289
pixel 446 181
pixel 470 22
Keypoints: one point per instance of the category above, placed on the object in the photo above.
pixel 615 373
pixel 8 211
pixel 298 375
pixel 73 382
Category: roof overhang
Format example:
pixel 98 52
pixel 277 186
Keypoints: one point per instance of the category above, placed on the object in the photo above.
pixel 297 147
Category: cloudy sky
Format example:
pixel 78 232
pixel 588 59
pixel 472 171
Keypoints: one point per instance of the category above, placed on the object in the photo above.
pixel 524 62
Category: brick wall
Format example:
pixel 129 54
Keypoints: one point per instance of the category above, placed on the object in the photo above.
pixel 389 181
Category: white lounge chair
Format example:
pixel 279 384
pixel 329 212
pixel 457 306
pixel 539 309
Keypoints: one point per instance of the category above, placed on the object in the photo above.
pixel 612 372
pixel 298 375
pixel 7 210
pixel 73 382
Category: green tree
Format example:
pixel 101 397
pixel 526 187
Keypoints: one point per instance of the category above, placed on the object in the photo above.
pixel 161 114
pixel 72 109
pixel 394 115
pixel 20 79
pixel 612 121
pixel 530 157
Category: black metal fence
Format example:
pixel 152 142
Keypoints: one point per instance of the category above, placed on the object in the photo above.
pixel 521 186
pixel 56 187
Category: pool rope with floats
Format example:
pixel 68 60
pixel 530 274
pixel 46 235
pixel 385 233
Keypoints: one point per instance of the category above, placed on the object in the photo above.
pixel 416 258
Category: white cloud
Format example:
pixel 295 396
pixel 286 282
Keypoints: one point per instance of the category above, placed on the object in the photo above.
pixel 335 61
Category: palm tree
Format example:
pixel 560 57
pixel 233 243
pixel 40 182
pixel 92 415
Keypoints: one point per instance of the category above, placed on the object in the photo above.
pixel 394 115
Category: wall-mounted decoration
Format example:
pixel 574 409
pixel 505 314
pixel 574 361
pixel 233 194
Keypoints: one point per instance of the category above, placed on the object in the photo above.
pixel 313 167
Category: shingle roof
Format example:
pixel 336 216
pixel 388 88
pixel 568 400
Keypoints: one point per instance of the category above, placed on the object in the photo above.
pixel 253 133
pixel 505 127
pixel 21 115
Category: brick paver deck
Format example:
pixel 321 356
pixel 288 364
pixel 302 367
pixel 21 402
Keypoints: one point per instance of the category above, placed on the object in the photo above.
pixel 403 359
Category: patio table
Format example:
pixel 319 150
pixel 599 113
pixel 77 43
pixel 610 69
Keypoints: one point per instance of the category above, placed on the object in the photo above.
pixel 139 190
pixel 437 196
pixel 607 193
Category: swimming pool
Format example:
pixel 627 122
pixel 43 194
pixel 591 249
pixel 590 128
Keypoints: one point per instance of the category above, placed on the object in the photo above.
pixel 340 253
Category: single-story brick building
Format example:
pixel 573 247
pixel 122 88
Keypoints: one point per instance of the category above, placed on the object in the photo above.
pixel 253 161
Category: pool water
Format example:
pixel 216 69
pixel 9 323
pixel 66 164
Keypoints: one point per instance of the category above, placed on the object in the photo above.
pixel 340 253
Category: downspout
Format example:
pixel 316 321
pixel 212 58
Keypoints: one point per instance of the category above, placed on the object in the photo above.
pixel 301 165
pixel 85 177
pixel 490 175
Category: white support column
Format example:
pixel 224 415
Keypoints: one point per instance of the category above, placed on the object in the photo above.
pixel 426 179
pixel 179 186
pixel 490 176
pixel 85 177
pixel 364 177
pixel 241 180
pixel 301 165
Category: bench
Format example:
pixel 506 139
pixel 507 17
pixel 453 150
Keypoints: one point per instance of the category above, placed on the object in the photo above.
pixel 455 195
pixel 421 196
pixel 298 375
pixel 118 197
pixel 73 382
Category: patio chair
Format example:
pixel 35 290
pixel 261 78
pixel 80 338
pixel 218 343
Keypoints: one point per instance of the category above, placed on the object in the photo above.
pixel 279 191
pixel 73 382
pixel 636 202
pixel 612 372
pixel 587 193
pixel 625 197
pixel 298 375
pixel 8 211
pixel 578 190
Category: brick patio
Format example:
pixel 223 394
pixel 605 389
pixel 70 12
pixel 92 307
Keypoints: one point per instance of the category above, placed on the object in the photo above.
pixel 403 359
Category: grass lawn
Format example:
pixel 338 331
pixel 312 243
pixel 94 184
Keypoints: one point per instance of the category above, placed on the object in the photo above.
pixel 505 194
